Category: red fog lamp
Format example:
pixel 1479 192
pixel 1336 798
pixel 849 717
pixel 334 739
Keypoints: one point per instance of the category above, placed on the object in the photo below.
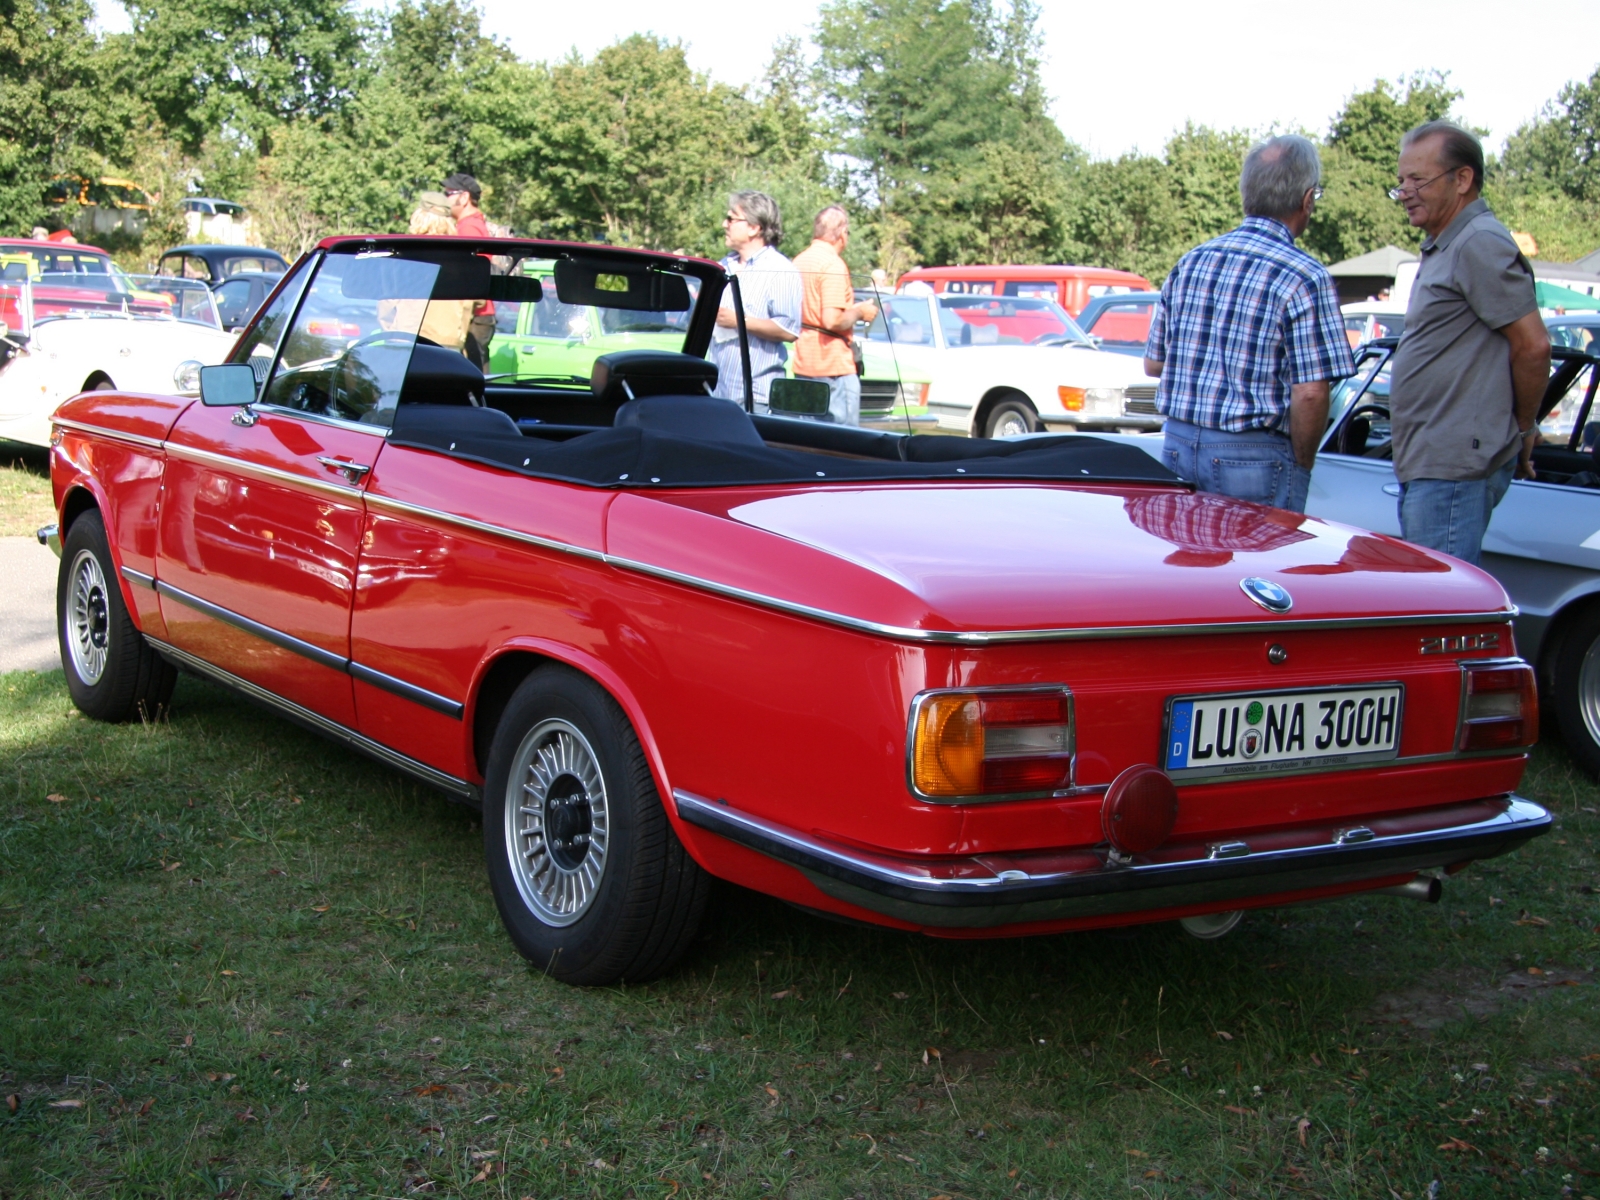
pixel 990 743
pixel 1139 810
pixel 1499 706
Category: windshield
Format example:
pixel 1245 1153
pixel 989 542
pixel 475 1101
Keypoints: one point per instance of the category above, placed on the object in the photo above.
pixel 1006 321
pixel 58 295
pixel 554 340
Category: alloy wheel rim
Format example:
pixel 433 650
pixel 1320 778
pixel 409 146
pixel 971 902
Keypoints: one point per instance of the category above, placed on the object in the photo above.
pixel 557 822
pixel 88 629
pixel 1010 425
pixel 1589 691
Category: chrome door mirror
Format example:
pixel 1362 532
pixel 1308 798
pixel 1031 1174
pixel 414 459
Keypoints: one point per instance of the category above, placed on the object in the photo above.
pixel 232 385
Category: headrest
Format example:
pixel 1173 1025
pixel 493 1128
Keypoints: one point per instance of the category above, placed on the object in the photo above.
pixel 451 420
pixel 439 376
pixel 634 374
pixel 701 418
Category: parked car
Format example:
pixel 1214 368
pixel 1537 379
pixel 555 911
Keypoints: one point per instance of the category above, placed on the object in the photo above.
pixel 95 207
pixel 1543 542
pixel 210 219
pixel 213 264
pixel 972 688
pixel 241 294
pixel 1070 286
pixel 1368 320
pixel 1120 322
pixel 1000 366
pixel 66 332
pixel 1579 331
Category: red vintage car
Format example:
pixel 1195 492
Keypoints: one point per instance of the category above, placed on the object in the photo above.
pixel 965 687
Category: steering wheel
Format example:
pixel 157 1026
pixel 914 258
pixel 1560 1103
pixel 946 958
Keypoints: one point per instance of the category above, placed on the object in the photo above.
pixel 342 376
pixel 1361 414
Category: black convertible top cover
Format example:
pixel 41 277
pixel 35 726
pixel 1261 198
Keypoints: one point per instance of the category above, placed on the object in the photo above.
pixel 639 456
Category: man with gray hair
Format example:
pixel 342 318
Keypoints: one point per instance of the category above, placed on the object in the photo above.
pixel 1473 362
pixel 1247 338
pixel 770 288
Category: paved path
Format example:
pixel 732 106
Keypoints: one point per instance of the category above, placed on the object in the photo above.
pixel 27 606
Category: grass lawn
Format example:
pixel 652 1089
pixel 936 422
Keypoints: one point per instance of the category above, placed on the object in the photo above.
pixel 25 502
pixel 238 961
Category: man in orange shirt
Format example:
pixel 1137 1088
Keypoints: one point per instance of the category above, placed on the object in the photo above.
pixel 828 316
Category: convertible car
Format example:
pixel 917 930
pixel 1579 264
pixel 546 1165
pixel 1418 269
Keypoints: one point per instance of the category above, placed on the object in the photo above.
pixel 966 687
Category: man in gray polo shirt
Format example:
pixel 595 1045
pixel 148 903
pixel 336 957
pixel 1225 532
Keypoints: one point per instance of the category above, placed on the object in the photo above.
pixel 1473 362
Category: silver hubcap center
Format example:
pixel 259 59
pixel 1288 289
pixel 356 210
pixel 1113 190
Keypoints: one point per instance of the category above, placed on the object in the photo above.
pixel 1589 691
pixel 557 822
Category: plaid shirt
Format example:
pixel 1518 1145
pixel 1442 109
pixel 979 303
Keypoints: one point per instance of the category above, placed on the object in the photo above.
pixel 1241 319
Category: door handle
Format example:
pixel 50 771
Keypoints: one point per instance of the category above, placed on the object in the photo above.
pixel 1391 489
pixel 352 471
pixel 527 349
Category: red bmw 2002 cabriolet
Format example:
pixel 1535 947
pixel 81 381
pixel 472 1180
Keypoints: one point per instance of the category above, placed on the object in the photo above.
pixel 965 687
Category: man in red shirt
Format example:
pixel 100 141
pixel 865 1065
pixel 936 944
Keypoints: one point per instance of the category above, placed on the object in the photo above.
pixel 462 193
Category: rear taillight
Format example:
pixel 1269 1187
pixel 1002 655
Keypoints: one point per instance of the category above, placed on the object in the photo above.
pixel 990 743
pixel 1499 706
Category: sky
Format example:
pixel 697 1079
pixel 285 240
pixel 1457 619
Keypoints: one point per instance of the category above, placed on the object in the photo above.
pixel 1122 76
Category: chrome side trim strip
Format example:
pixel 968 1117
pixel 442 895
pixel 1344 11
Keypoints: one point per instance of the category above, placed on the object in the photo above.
pixel 900 888
pixel 138 577
pixel 275 474
pixel 531 539
pixel 116 435
pixel 265 632
pixel 407 691
pixel 320 724
pixel 398 687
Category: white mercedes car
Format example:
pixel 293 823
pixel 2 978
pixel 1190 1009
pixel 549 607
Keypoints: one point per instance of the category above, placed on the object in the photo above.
pixel 62 333
pixel 995 366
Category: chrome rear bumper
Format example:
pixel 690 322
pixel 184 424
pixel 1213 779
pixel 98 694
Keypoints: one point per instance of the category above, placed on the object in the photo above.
pixel 50 535
pixel 994 889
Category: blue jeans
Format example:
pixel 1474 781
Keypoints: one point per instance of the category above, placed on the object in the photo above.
pixel 844 396
pixel 1452 515
pixel 1257 465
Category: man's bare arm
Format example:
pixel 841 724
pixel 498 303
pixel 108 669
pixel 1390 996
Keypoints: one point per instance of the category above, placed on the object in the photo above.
pixel 1152 367
pixel 1308 420
pixel 1530 375
pixel 761 327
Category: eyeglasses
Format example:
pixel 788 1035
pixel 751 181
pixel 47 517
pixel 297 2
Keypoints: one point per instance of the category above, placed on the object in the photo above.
pixel 732 217
pixel 1398 193
pixel 458 192
pixel 1316 193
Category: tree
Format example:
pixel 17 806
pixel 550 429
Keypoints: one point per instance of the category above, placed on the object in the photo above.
pixel 56 112
pixel 926 96
pixel 1560 149
pixel 241 65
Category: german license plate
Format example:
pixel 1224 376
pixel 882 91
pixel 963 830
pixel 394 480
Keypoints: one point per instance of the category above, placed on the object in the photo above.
pixel 1267 733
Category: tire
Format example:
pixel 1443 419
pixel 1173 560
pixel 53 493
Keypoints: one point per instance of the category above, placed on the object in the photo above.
pixel 1010 418
pixel 113 674
pixel 1577 690
pixel 592 884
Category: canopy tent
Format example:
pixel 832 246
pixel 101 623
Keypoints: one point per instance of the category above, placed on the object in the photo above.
pixel 1368 274
pixel 1550 295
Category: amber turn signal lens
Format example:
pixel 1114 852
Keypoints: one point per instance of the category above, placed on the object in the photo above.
pixel 1499 706
pixel 1071 398
pixel 992 743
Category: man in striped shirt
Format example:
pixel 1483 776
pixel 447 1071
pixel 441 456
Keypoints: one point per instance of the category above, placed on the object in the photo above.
pixel 1247 338
pixel 771 288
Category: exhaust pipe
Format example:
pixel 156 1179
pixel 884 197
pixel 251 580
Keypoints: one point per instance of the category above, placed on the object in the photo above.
pixel 1427 888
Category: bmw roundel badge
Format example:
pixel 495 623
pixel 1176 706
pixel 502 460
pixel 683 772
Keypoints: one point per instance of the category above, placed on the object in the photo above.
pixel 1271 596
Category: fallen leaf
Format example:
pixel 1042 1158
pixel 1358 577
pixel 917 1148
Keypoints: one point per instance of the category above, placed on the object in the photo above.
pixel 1526 919
pixel 1224 1035
pixel 218 1076
pixel 230 972
pixel 909 1159
pixel 12 1101
pixel 900 995
pixel 432 1089
pixel 1234 1108
pixel 1456 1143
pixel 188 1039
pixel 773 1092
pixel 171 866
pixel 491 1169
pixel 56 798
pixel 277 1033
pixel 558 1072
pixel 930 1053
pixel 320 908
pixel 1316 1061
pixel 66 1104
pixel 1302 1126
pixel 248 1114
pixel 1349 1049
pixel 1533 970
pixel 1154 1174
pixel 783 995
pixel 1137 1154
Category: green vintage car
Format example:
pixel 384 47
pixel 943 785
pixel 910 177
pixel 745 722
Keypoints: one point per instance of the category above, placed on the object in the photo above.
pixel 552 340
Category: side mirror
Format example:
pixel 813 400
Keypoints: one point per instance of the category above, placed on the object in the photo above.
pixel 232 385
